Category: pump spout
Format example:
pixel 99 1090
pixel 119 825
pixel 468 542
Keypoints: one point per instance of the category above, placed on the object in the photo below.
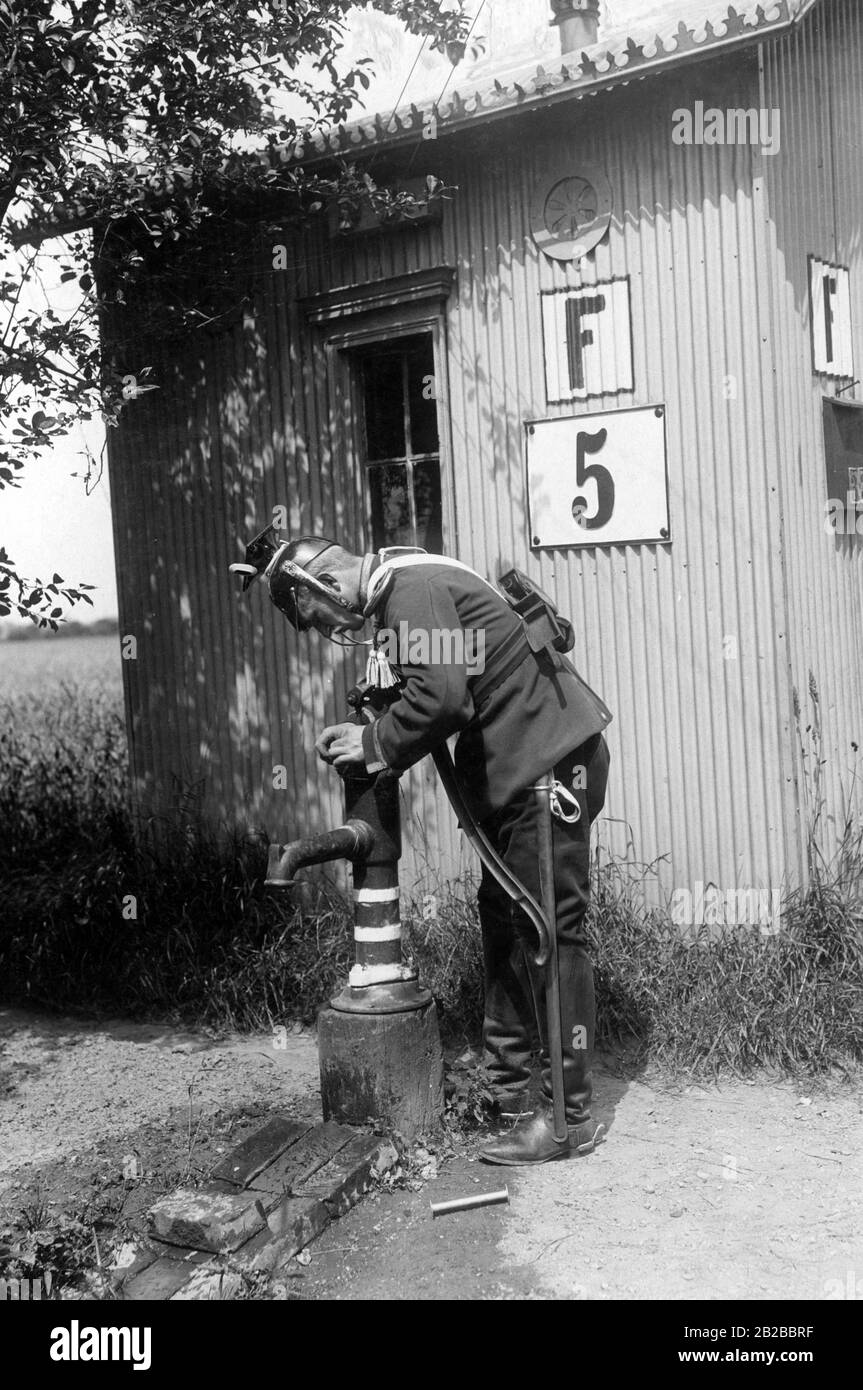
pixel 354 841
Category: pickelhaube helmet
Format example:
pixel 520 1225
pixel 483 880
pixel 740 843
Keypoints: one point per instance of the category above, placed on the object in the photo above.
pixel 283 565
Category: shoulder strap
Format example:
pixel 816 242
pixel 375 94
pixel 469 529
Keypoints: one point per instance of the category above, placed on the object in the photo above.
pixel 501 663
pixel 388 568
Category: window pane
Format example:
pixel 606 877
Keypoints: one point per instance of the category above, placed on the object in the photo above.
pixel 391 517
pixel 423 407
pixel 384 406
pixel 428 505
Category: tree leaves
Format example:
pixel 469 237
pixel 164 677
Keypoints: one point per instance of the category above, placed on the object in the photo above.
pixel 135 116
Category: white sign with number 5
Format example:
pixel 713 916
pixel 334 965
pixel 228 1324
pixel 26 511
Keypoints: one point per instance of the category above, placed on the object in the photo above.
pixel 598 479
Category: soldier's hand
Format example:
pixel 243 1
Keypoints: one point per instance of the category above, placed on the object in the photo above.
pixel 341 745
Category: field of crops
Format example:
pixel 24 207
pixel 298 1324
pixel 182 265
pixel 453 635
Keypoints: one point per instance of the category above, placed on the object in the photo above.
pixel 89 664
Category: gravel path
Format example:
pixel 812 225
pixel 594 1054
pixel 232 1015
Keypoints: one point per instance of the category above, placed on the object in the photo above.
pixel 745 1190
pixel 66 1085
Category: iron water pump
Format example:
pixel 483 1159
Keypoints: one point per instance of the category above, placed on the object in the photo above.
pixel 380 981
pixel 378 1042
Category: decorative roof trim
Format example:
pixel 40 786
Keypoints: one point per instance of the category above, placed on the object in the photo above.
pixel 572 77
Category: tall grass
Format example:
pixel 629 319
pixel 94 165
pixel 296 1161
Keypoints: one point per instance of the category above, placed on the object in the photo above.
pixel 102 912
pixel 209 945
pixel 732 1000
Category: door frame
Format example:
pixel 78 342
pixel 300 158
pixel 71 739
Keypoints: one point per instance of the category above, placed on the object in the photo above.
pixel 379 311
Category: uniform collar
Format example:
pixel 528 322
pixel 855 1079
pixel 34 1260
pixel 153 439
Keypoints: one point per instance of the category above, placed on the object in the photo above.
pixel 381 576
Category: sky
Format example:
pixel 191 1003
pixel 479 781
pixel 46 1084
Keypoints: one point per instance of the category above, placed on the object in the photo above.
pixel 51 523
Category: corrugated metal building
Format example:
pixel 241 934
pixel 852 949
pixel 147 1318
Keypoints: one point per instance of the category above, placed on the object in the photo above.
pixel 721 301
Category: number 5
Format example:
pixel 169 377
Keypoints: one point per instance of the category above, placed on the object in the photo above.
pixel 591 444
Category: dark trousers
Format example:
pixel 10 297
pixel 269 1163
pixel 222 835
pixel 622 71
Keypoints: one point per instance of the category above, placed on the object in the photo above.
pixel 514 986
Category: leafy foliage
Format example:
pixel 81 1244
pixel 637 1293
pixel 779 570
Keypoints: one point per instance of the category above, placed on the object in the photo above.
pixel 137 118
pixel 469 1094
pixel 36 599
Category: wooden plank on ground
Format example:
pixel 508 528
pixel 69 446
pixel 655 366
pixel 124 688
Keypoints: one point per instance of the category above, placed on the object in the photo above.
pixel 159 1281
pixel 342 1181
pixel 260 1149
pixel 297 1164
pixel 294 1223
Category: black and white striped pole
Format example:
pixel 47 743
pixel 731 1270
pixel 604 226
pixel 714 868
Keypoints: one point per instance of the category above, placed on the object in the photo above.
pixel 378 1042
pixel 380 981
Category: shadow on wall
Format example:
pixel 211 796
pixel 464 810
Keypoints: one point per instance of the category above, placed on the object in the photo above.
pixel 224 700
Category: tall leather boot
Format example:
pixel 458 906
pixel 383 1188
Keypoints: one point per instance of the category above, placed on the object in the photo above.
pixel 578 1028
pixel 510 1029
pixel 533 1141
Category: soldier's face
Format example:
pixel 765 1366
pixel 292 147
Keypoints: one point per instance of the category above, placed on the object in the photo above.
pixel 324 615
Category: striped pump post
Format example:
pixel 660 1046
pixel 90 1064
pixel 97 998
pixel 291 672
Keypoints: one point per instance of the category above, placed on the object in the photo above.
pixel 378 1042
pixel 380 981
pixel 370 838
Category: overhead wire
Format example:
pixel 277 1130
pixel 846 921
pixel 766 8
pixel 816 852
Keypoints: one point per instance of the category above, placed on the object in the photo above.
pixel 439 99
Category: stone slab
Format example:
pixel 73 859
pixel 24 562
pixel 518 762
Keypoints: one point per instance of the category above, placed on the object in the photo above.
pixel 203 1219
pixel 262 1148
pixel 122 1275
pixel 209 1285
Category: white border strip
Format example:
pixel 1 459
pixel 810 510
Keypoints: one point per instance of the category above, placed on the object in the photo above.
pixel 389 933
pixel 376 895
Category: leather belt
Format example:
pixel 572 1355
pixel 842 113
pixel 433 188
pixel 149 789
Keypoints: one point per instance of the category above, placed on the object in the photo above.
pixel 512 651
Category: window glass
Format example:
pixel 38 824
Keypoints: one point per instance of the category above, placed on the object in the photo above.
pixel 383 382
pixel 401 443
pixel 391 516
pixel 428 506
pixel 423 406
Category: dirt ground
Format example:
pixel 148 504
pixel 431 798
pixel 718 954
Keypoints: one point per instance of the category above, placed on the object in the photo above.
pixel 744 1190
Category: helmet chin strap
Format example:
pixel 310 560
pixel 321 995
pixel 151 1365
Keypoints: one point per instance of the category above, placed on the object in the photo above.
pixel 350 641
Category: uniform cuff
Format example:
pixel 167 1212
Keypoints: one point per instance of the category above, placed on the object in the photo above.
pixel 372 752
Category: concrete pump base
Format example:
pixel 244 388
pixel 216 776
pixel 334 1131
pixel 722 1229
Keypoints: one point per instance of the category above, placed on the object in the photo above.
pixel 382 1067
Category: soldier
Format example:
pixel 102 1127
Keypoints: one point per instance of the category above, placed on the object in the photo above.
pixel 515 718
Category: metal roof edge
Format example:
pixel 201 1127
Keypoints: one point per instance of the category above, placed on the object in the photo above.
pixel 539 87
pixel 569 79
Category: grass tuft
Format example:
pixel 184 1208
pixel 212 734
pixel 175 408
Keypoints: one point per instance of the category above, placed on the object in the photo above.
pixel 210 945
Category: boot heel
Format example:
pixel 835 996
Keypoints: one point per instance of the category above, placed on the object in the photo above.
pixel 587 1145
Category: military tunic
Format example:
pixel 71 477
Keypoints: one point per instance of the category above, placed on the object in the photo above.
pixel 538 715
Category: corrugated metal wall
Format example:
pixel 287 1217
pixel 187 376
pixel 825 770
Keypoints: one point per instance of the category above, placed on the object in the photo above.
pixel 704 765
pixel 815 198
pixel 698 771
